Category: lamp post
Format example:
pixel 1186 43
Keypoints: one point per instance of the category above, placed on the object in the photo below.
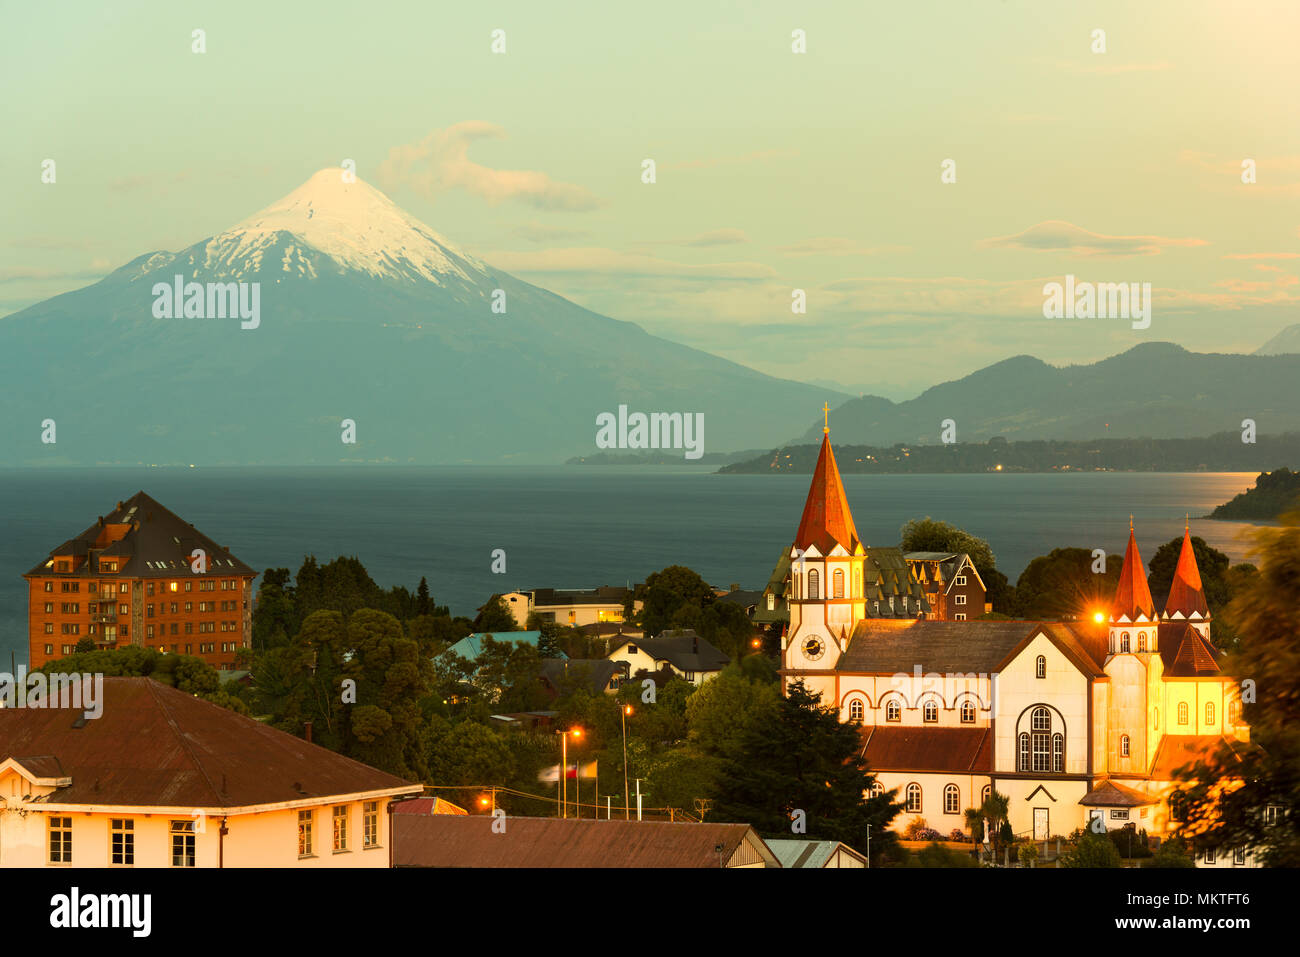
pixel 627 812
pixel 563 785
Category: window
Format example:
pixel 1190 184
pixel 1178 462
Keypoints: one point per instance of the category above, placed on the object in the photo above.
pixel 1041 723
pixel 304 833
pixel 189 586
pixel 930 711
pixel 855 709
pixel 1123 745
pixel 631 648
pixel 960 616
pixel 49 608
pixel 1040 667
pixel 1182 712
pixel 771 601
pixel 370 824
pixel 1209 712
pixel 913 798
pixel 968 712
pixel 959 580
pixel 1211 856
pixel 893 711
pixel 49 649
pixel 877 789
pixel 814 585
pixel 1058 753
pixel 1142 641
pixel 182 843
pixel 837 581
pixel 951 799
pixel 1238 856
pixel 961 599
pixel 49 627
pixel 984 794
pixel 122 842
pixel 149 589
pixel 60 840
pixel 1123 643
pixel 1234 712
pixel 1023 763
pixel 49 586
pixel 340 829
pixel 1119 814
pixel 1271 813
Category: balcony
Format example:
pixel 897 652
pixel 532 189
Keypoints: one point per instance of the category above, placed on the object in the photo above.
pixel 104 618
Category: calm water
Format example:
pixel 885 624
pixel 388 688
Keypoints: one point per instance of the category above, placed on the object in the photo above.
pixel 581 527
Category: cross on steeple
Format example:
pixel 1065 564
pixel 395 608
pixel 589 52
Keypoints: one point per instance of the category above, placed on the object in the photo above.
pixel 826 419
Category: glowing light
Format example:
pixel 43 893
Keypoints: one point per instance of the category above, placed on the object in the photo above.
pixel 1099 617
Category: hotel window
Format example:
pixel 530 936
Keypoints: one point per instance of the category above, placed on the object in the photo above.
pixel 149 588
pixel 340 829
pixel 961 599
pixel 968 712
pixel 892 710
pixel 123 609
pixel 148 610
pixel 1040 667
pixel 173 607
pixel 49 608
pixel 370 824
pixel 837 581
pixel 1209 712
pixel 148 631
pixel 951 799
pixel 124 588
pixel 122 842
pixel 856 710
pixel 304 833
pixel 49 627
pixel 814 585
pixel 1182 712
pixel 182 843
pixel 49 586
pixel 913 798
pixel 930 711
pixel 60 840
pixel 1123 643
pixel 49 649
pixel 172 586
pixel 877 789
pixel 1123 745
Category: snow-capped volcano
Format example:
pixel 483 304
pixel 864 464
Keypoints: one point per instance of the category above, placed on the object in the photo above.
pixel 351 223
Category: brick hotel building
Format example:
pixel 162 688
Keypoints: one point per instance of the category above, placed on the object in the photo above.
pixel 140 576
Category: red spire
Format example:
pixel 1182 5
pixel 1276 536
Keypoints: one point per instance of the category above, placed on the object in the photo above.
pixel 1133 596
pixel 1186 594
pixel 826 519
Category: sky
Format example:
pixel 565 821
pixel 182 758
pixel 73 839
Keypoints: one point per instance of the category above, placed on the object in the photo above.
pixel 775 171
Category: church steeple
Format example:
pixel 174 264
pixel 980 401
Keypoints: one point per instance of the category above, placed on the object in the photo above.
pixel 826 519
pixel 1133 595
pixel 1187 593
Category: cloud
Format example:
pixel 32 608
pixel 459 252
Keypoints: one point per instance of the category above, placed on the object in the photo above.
pixel 834 246
pixel 1263 256
pixel 741 160
pixel 440 162
pixel 716 237
pixel 594 260
pixel 540 233
pixel 1058 236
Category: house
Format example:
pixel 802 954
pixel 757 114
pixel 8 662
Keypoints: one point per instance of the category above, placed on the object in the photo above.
pixel 515 842
pixel 747 600
pixel 1078 722
pixel 952 586
pixel 815 854
pixel 471 646
pixel 569 606
pixel 427 805
pixel 597 675
pixel 165 779
pixel 684 652
pixel 141 575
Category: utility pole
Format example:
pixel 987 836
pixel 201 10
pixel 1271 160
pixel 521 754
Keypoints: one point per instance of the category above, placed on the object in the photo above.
pixel 638 799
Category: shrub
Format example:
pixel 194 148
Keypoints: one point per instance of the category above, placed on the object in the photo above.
pixel 957 835
pixel 914 827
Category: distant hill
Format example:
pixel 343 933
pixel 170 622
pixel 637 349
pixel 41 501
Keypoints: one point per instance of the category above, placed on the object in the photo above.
pixel 1155 389
pixel 1286 342
pixel 1217 453
pixel 1274 494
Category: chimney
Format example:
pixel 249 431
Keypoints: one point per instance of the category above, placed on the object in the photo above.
pixel 306 730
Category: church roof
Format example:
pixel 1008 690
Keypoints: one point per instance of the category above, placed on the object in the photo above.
pixel 1177 750
pixel 894 646
pixel 1187 594
pixel 826 520
pixel 1133 595
pixel 964 750
pixel 890 575
pixel 1185 653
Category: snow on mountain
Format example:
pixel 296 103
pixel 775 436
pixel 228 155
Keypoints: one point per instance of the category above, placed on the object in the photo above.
pixel 351 223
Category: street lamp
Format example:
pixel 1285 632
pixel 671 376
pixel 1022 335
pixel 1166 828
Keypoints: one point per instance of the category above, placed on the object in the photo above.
pixel 564 769
pixel 627 813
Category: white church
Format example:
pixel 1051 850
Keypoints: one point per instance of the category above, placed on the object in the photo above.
pixel 1072 721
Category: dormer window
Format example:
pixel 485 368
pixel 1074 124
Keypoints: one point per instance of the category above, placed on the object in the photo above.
pixel 771 601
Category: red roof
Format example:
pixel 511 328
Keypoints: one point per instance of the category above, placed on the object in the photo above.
pixel 1178 750
pixel 1133 596
pixel 1186 594
pixel 954 750
pixel 826 519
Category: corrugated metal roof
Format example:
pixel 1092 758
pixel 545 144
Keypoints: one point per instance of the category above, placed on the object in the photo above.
pixel 928 749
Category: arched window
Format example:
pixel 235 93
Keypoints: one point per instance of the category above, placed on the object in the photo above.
pixel 1123 745
pixel 984 795
pixel 930 710
pixel 1142 641
pixel 1182 712
pixel 951 799
pixel 1023 764
pixel 1040 667
pixel 855 709
pixel 1058 753
pixel 1123 643
pixel 877 789
pixel 814 585
pixel 968 712
pixel 838 580
pixel 1209 712
pixel 893 711
pixel 1041 739
pixel 913 798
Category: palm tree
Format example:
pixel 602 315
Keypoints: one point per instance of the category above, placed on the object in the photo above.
pixel 975 824
pixel 996 807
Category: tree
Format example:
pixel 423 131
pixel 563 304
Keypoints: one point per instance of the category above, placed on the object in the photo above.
pixel 1062 585
pixel 423 605
pixel 665 592
pixel 495 616
pixel 183 672
pixel 797 763
pixel 929 535
pixel 1224 797
pixel 85 644
pixel 469 753
pixel 1090 850
pixel 1213 565
pixel 723 708
pixel 1171 853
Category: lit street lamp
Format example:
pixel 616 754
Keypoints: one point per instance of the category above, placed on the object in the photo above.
pixel 627 813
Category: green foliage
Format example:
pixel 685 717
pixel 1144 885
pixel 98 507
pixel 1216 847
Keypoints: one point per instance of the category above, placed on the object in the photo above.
pixel 1027 853
pixel 1062 585
pixel 936 855
pixel 1090 850
pixel 1226 794
pixel 182 672
pixel 1172 853
pixel 722 709
pixel 469 753
pixel 665 593
pixel 1274 494
pixel 86 644
pixel 495 616
pixel 930 535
